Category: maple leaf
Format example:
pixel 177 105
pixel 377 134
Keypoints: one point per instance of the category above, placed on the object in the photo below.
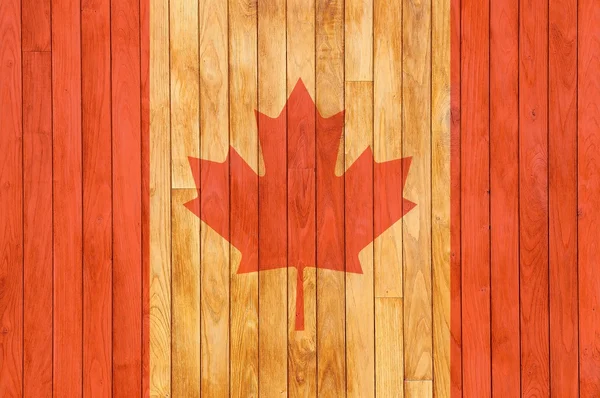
pixel 308 216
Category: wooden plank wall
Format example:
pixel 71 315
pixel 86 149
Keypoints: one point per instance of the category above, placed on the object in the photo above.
pixel 525 94
pixel 71 224
pixel 217 333
pixel 110 286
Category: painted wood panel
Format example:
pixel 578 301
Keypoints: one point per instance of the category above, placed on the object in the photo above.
pixel 113 286
pixel 98 217
pixel 504 201
pixel 37 224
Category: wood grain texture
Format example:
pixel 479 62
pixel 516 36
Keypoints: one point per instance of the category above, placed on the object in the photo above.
pixel 185 89
pixel 329 98
pixel 562 158
pixel 360 317
pixel 475 185
pixel 97 198
pixel 243 101
pixel 440 195
pixel 67 186
pixel 185 240
pixel 127 198
pixel 455 202
pixel 11 200
pixel 37 225
pixel 504 201
pixel 302 344
pixel 387 135
pixel 389 332
pixel 272 284
pixel 387 248
pixel 416 142
pixel 215 262
pixel 185 296
pixel 36 25
pixel 588 188
pixel 358 47
pixel 418 389
pixel 145 149
pixel 533 197
pixel 160 203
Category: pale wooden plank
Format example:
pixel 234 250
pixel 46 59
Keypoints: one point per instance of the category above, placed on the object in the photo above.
pixel 359 40
pixel 389 347
pixel 302 344
pixel 185 138
pixel 331 362
pixel 160 203
pixel 272 283
pixel 418 389
pixel 360 322
pixel 440 195
pixel 185 287
pixel 387 134
pixel 416 71
pixel 387 145
pixel 185 141
pixel 214 128
pixel 243 137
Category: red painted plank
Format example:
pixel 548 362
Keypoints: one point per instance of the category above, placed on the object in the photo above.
pixel 127 198
pixel 145 108
pixel 67 186
pixel 533 185
pixel 455 232
pixel 36 25
pixel 588 194
pixel 11 201
pixel 562 158
pixel 475 199
pixel 37 224
pixel 97 200
pixel 504 175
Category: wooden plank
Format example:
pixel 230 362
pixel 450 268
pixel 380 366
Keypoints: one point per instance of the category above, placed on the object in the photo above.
pixel 533 197
pixel 272 284
pixel 185 141
pixel 475 185
pixel 387 248
pixel 504 201
pixel 360 317
pixel 97 198
pixel 588 187
pixel 455 203
pixel 36 25
pixel 215 261
pixel 243 101
pixel 67 187
pixel 145 125
pixel 11 200
pixel 562 158
pixel 440 195
pixel 418 389
pixel 359 40
pixel 389 332
pixel 302 339
pixel 160 202
pixel 127 199
pixel 387 134
pixel 416 127
pixel 185 295
pixel 185 90
pixel 37 224
pixel 329 96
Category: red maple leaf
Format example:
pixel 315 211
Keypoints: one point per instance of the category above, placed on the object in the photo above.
pixel 308 216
